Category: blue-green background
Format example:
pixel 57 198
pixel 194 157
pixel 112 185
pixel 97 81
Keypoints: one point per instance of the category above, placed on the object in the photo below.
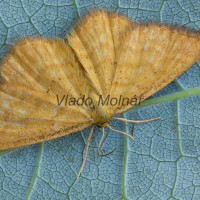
pixel 163 162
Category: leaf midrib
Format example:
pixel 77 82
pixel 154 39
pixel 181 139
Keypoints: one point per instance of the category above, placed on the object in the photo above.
pixel 35 173
pixel 167 98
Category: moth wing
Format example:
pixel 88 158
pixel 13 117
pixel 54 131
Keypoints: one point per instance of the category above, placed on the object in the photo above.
pixel 152 56
pixel 34 76
pixel 97 40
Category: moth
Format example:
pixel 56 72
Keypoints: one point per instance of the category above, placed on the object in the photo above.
pixel 105 58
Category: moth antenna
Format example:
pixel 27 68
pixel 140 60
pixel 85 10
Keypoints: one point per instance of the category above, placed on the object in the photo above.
pixel 99 146
pixel 132 121
pixel 136 121
pixel 117 131
pixel 86 151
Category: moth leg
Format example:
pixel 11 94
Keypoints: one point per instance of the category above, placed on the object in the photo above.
pixel 117 131
pixel 99 146
pixel 133 130
pixel 86 151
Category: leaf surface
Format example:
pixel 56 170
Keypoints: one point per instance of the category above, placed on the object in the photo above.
pixel 162 162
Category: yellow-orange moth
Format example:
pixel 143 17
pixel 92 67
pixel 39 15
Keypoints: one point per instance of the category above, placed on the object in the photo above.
pixel 50 88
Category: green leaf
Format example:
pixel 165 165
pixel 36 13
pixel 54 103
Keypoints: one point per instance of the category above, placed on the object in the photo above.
pixel 162 162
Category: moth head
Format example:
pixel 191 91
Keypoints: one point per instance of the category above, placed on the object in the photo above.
pixel 103 121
